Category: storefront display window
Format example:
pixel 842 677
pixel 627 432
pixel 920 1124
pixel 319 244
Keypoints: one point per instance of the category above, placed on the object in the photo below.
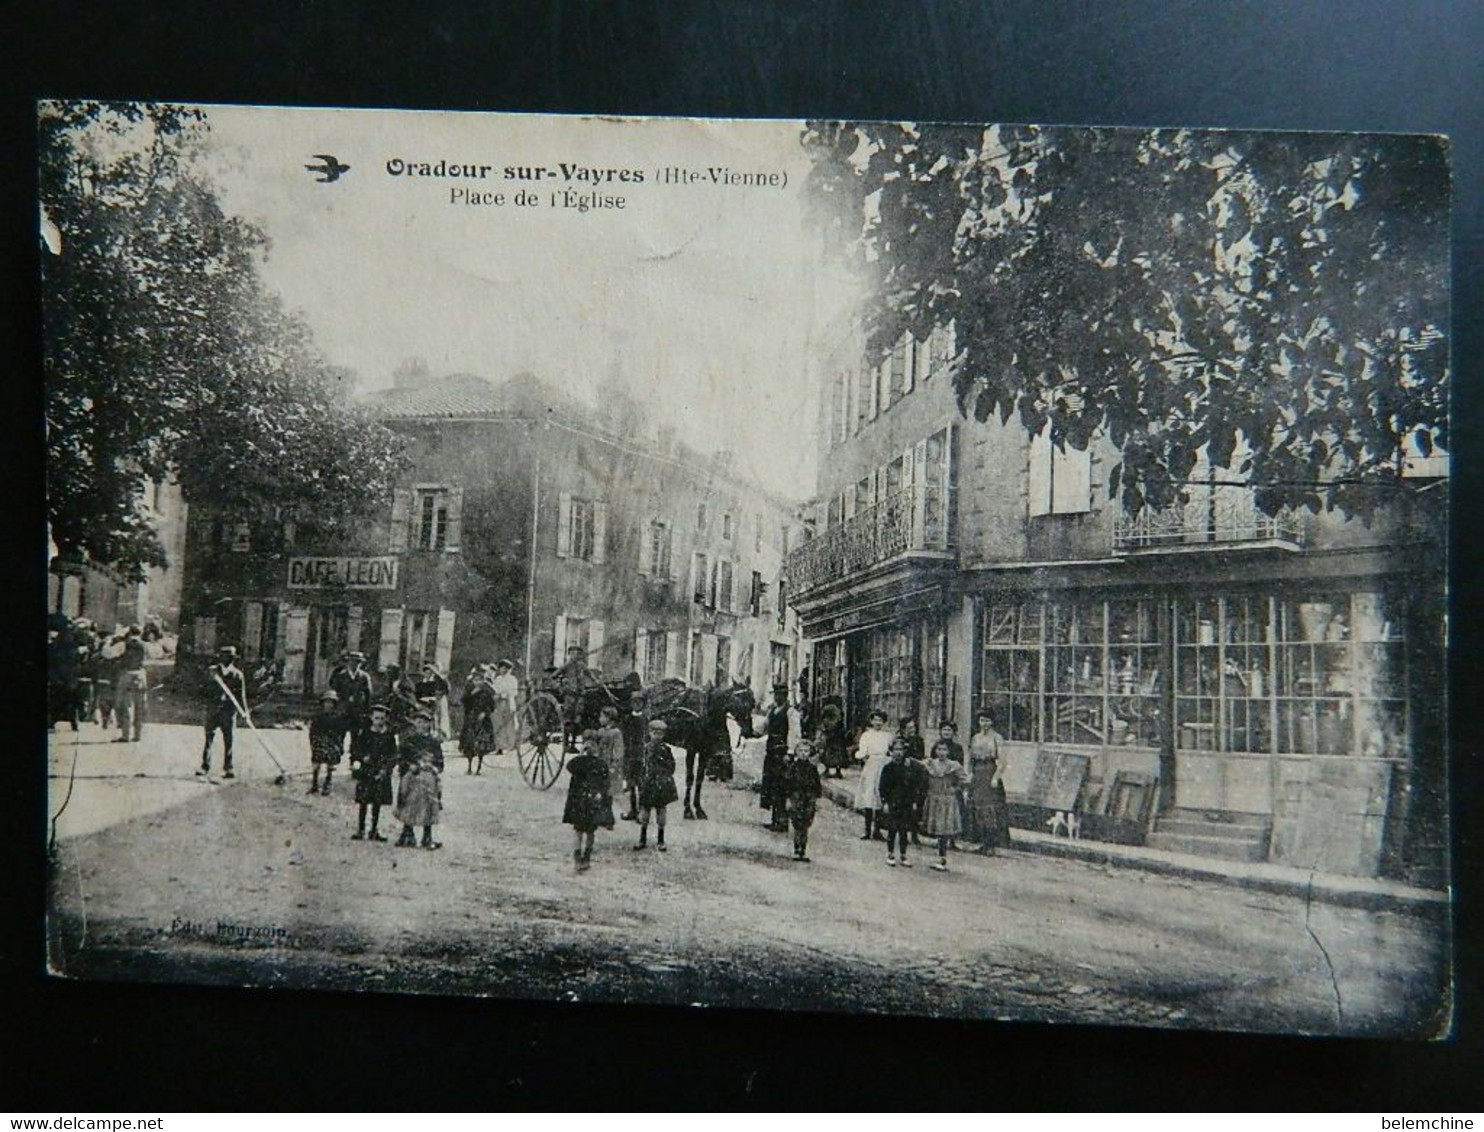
pixel 886 664
pixel 1134 673
pixel 1010 681
pixel 1075 654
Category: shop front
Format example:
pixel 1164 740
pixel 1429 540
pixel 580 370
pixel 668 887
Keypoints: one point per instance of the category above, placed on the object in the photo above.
pixel 1270 722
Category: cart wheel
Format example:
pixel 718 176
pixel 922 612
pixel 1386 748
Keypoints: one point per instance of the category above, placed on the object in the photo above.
pixel 539 749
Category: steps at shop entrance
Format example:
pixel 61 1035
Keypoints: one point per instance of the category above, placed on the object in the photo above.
pixel 1235 837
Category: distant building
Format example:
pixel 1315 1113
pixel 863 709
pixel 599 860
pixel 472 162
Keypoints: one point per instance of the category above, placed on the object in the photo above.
pixel 1208 679
pixel 527 524
pixel 104 596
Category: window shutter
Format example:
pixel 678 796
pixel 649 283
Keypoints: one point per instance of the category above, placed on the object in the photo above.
pixel 711 588
pixel 600 532
pixel 564 524
pixel 646 548
pixel 708 656
pixel 401 519
pixel 1072 482
pixel 1039 474
pixel 280 619
pixel 873 406
pixel 353 620
pixel 252 629
pixel 595 644
pixel 454 536
pixel 673 659
pixel 848 506
pixel 443 640
pixel 389 648
pixel 909 375
pixel 295 644
pixel 641 651
pixel 881 484
pixel 559 641
pixel 669 563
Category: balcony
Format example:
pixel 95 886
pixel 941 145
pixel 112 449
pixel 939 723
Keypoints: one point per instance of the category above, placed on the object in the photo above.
pixel 907 522
pixel 1217 516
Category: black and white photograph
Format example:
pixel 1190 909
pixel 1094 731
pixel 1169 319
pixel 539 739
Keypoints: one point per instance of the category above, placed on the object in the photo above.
pixel 967 571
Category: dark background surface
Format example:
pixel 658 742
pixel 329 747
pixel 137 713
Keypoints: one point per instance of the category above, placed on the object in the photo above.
pixel 1341 65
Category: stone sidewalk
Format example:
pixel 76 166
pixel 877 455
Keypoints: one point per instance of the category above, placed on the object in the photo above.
pixel 1369 893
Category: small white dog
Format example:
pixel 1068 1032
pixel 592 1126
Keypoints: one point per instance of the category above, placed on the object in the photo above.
pixel 1068 821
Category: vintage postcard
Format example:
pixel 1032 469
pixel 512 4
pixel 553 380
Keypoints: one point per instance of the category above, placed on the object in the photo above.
pixel 977 571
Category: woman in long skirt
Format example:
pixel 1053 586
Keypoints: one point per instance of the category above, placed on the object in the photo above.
pixel 477 735
pixel 507 696
pixel 988 822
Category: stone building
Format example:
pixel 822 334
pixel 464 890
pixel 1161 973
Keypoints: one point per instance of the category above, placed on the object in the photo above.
pixel 109 599
pixel 1208 679
pixel 527 523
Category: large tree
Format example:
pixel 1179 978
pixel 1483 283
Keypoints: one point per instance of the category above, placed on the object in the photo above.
pixel 165 354
pixel 1275 304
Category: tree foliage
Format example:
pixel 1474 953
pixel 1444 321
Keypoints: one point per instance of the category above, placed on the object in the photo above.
pixel 165 354
pixel 1274 304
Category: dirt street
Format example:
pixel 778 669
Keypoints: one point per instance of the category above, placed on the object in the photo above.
pixel 250 883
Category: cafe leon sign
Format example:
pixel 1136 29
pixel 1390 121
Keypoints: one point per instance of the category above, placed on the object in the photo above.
pixel 343 573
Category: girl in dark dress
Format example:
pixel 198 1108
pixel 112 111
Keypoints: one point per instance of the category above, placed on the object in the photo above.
pixel 326 740
pixel 830 736
pixel 477 738
pixel 589 803
pixel 373 758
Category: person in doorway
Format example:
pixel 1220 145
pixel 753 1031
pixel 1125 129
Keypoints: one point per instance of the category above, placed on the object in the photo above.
pixel 903 781
pixel 352 684
pixel 941 817
pixel 326 740
pixel 432 689
pixel 373 758
pixel 635 728
pixel 829 736
pixel 420 799
pixel 656 784
pixel 774 794
pixel 804 790
pixel 589 803
pixel 226 697
pixel 873 746
pixel 987 817
pixel 130 688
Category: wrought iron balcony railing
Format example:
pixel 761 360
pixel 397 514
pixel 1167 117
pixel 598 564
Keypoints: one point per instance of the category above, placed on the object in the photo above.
pixel 915 519
pixel 1216 515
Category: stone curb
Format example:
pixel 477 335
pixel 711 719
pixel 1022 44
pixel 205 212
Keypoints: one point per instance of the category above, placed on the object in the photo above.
pixel 1327 888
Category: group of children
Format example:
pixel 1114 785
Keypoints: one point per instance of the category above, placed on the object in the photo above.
pixel 601 767
pixel 377 753
pixel 938 792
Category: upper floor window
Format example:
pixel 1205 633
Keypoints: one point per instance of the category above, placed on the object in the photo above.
pixel 427 517
pixel 755 597
pixel 1060 478
pixel 432 519
pixel 699 579
pixel 581 528
pixel 724 591
pixel 726 525
pixel 701 517
pixel 655 550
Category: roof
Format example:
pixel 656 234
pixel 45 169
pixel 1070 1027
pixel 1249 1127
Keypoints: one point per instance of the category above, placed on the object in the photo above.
pixel 461 395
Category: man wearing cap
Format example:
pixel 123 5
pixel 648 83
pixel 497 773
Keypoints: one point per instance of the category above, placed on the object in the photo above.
pixel 774 796
pixel 353 685
pixel 226 692
pixel 574 678
pixel 128 696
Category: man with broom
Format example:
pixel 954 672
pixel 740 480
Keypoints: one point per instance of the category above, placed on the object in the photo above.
pixel 226 693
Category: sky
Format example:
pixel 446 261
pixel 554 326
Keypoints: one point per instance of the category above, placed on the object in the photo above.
pixel 714 302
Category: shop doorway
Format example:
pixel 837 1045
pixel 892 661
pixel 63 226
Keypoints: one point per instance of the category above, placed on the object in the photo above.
pixel 329 637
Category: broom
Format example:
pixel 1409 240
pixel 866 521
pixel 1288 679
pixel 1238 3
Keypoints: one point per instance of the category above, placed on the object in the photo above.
pixel 242 711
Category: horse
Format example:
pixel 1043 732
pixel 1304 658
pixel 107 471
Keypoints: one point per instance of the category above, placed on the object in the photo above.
pixel 696 720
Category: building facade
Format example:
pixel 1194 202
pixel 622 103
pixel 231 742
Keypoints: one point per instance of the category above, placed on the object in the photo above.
pixel 1208 679
pixel 527 524
pixel 108 598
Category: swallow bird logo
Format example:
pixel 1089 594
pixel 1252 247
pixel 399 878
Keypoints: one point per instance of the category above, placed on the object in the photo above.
pixel 329 168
